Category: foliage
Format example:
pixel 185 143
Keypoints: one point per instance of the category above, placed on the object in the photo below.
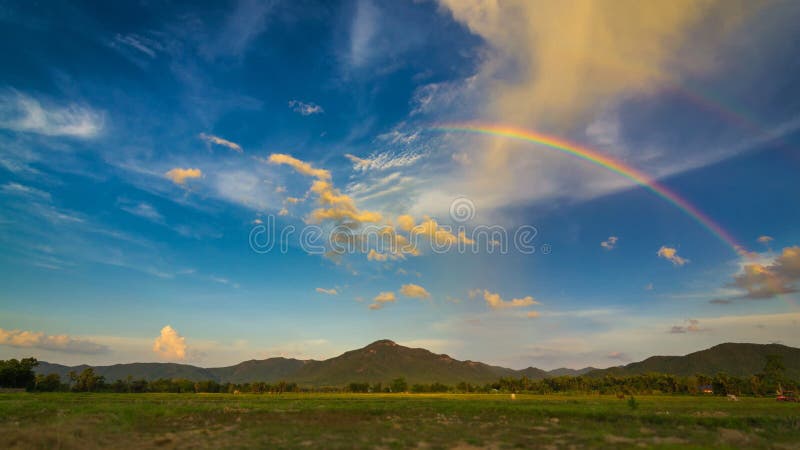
pixel 17 373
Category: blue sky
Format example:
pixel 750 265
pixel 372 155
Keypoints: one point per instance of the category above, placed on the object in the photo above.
pixel 143 148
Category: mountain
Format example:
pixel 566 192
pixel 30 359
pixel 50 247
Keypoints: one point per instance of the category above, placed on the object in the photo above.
pixel 148 371
pixel 737 359
pixel 563 371
pixel 384 360
pixel 267 370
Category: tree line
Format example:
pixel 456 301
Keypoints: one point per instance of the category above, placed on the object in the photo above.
pixel 20 374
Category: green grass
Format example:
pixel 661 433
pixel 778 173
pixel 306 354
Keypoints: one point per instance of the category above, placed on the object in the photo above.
pixel 66 420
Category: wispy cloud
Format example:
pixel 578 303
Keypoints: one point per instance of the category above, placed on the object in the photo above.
pixel 305 109
pixel 211 139
pixel 142 209
pixel 384 160
pixel 240 28
pixel 692 326
pixel 331 291
pixel 22 113
pixel 58 343
pixel 610 243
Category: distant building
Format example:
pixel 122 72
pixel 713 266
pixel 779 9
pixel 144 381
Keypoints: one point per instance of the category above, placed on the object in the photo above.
pixel 706 389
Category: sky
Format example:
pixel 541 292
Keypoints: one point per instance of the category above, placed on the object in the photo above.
pixel 523 183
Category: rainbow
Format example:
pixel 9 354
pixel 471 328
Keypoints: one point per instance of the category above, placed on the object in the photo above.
pixel 605 162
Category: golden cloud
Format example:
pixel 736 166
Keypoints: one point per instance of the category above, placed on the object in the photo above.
pixel 671 254
pixel 494 301
pixel 301 167
pixel 179 175
pixel 170 344
pixel 414 291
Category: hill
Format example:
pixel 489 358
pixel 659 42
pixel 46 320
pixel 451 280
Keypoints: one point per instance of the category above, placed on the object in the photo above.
pixel 737 359
pixel 385 360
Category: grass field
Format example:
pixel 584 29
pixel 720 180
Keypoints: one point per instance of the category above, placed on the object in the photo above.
pixel 68 420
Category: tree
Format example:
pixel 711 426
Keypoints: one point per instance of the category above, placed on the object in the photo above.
pixel 48 383
pixel 18 373
pixel 399 385
pixel 774 372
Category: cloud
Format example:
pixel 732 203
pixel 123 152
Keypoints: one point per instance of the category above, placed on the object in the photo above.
pixel 571 57
pixel 170 344
pixel 59 343
pixel 720 301
pixel 331 291
pixel 301 167
pixel 414 291
pixel 179 175
pixel 19 112
pixel 242 26
pixel 671 254
pixel 144 210
pixel 763 281
pixel 372 255
pixel 649 287
pixel 494 301
pixel 764 240
pixel 693 326
pixel 610 243
pixel 618 356
pixel 211 139
pixel 22 190
pixel 305 109
pixel 381 299
pixel 383 161
pixel 405 222
pixel 532 314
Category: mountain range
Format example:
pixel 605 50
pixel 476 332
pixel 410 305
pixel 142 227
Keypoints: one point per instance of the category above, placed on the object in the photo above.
pixel 385 360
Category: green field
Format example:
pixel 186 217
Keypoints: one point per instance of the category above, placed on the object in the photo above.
pixel 69 420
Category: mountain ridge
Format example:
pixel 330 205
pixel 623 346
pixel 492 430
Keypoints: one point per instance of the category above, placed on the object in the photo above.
pixel 384 360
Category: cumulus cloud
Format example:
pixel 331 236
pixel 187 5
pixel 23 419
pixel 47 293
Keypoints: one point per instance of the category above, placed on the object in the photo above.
pixel 494 301
pixel 381 299
pixel 372 255
pixel 211 139
pixel 691 326
pixel 532 314
pixel 671 254
pixel 169 344
pixel 762 281
pixel 305 109
pixel 414 291
pixel 19 112
pixel 610 243
pixel 59 343
pixel 331 291
pixel 179 175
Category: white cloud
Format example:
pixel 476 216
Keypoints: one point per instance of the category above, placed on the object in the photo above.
pixel 305 109
pixel 384 161
pixel 610 243
pixel 144 210
pixel 22 113
pixel 331 291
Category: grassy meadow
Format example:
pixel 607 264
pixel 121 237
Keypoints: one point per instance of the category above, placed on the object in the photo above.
pixel 92 420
